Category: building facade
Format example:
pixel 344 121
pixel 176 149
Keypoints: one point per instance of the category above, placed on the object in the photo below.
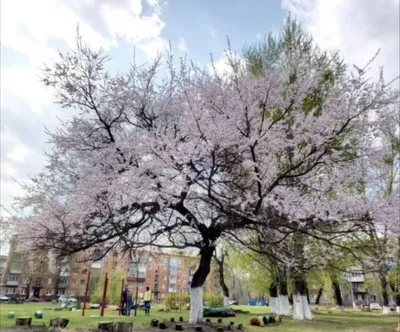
pixel 163 272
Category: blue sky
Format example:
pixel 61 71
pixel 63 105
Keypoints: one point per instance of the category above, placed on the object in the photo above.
pixel 32 31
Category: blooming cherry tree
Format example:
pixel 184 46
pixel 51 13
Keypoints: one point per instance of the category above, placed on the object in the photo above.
pixel 181 157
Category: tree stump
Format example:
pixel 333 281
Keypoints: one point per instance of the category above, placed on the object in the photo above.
pixel 124 327
pixel 154 323
pixel 23 321
pixel 106 326
pixel 163 326
pixel 208 320
pixel 220 321
pixel 232 323
pixel 172 320
pixel 181 319
pixel 178 327
pixel 59 322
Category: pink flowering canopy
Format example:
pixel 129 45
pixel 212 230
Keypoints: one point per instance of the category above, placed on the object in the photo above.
pixel 181 156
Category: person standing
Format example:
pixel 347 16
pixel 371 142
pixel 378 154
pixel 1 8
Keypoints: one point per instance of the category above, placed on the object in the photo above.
pixel 124 296
pixel 147 301
pixel 129 304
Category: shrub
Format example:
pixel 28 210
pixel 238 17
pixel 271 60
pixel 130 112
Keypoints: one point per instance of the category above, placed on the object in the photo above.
pixel 174 301
pixel 214 300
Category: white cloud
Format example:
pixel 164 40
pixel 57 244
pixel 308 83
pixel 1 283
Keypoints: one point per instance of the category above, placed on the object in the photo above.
pixel 357 28
pixel 31 34
pixel 223 64
pixel 182 45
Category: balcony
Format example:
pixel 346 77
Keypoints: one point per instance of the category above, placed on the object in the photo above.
pixel 12 282
pixel 136 279
pixel 15 269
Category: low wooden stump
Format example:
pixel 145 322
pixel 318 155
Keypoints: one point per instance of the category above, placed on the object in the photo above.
pixel 172 320
pixel 181 319
pixel 162 326
pixel 232 323
pixel 219 321
pixel 124 327
pixel 106 326
pixel 208 320
pixel 59 322
pixel 23 321
pixel 154 323
pixel 178 327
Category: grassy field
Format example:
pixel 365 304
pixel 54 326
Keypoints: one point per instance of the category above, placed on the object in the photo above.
pixel 348 321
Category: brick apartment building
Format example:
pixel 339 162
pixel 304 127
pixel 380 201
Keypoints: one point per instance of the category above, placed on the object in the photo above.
pixel 162 272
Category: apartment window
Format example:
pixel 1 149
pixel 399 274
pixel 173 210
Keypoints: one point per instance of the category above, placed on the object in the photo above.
pixel 13 277
pixel 48 291
pixel 173 262
pixel 114 265
pixel 164 277
pixel 23 291
pixel 49 281
pixel 10 290
pixel 38 282
pixel 61 292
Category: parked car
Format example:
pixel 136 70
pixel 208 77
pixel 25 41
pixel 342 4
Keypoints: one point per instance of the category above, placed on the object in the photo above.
pixel 67 299
pixel 375 306
pixel 4 298
pixel 34 299
pixel 233 302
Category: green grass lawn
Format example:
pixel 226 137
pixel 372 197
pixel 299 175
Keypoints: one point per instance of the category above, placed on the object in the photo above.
pixel 348 321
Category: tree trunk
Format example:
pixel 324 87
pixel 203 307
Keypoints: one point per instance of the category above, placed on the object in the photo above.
pixel 337 295
pixel 301 307
pixel 224 287
pixel 385 295
pixel 273 298
pixel 196 287
pixel 319 295
pixel 283 298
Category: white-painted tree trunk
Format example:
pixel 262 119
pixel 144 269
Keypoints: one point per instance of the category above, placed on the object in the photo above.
pixel 301 308
pixel 274 305
pixel 354 306
pixel 386 310
pixel 284 306
pixel 340 308
pixel 398 309
pixel 196 305
pixel 226 301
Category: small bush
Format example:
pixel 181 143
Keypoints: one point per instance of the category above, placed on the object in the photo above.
pixel 214 300
pixel 174 301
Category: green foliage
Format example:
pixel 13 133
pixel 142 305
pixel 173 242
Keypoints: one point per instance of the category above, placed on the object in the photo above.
pixel 214 300
pixel 175 301
pixel 113 288
pixel 249 264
